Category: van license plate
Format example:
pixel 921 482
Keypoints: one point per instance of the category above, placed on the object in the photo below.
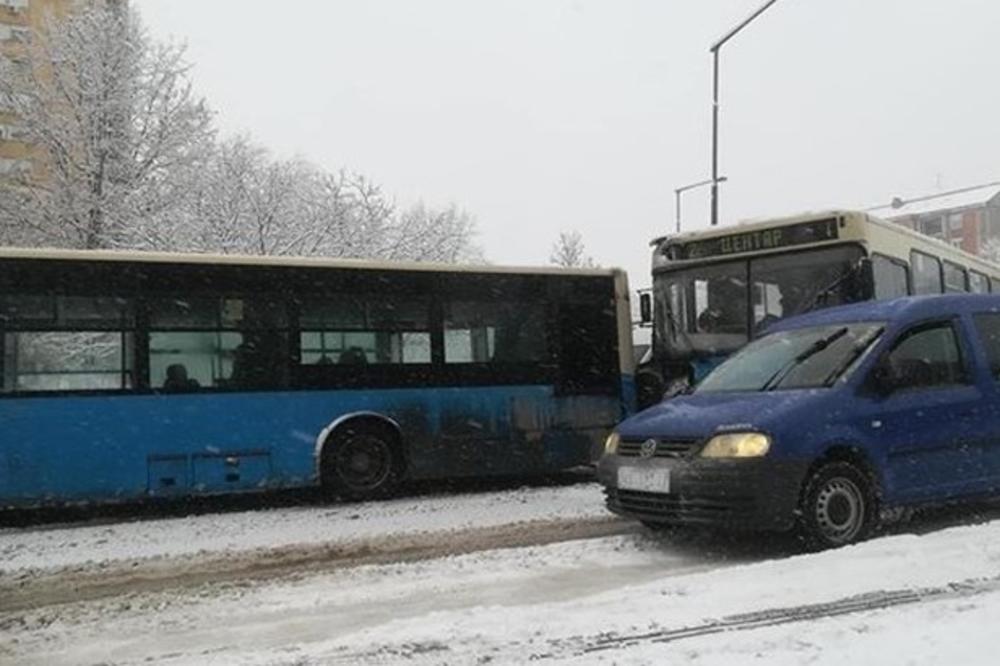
pixel 645 480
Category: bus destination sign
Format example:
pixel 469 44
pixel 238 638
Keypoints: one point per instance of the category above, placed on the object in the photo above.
pixel 756 241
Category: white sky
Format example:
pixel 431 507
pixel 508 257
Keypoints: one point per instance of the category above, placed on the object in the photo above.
pixel 545 115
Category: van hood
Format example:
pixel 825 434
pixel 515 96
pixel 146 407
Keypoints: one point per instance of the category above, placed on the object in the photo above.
pixel 701 415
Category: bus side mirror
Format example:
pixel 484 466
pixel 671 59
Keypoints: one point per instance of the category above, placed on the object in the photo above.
pixel 865 288
pixel 646 308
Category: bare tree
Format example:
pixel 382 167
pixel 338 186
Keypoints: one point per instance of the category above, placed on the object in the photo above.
pixel 247 202
pixel 118 132
pixel 126 157
pixel 569 252
pixel 428 234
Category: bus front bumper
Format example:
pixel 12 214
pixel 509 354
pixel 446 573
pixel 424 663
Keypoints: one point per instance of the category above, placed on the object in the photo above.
pixel 730 494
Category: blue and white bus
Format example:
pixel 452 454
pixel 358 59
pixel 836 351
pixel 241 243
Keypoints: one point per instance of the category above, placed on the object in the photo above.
pixel 127 376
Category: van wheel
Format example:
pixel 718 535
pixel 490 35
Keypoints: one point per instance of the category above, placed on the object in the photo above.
pixel 839 506
pixel 362 462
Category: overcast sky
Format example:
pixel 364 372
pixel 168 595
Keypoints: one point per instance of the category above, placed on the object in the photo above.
pixel 545 115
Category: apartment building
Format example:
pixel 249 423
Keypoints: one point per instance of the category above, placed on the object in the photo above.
pixel 967 218
pixel 20 22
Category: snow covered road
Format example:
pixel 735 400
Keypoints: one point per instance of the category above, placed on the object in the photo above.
pixel 631 597
pixel 637 598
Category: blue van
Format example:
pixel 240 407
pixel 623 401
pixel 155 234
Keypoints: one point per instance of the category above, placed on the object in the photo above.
pixel 822 423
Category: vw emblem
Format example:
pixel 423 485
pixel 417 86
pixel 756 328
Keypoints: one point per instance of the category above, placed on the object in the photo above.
pixel 648 449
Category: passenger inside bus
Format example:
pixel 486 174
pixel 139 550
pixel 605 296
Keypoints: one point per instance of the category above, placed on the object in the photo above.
pixel 177 379
pixel 353 356
pixel 726 312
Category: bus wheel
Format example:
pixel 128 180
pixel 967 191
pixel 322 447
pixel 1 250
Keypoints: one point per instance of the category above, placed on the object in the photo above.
pixel 362 462
pixel 839 506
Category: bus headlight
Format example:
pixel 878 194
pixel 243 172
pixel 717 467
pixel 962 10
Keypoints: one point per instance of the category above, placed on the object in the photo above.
pixel 737 445
pixel 611 443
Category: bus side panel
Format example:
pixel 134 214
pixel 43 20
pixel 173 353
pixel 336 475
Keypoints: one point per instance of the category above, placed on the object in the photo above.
pixel 129 447
pixel 105 448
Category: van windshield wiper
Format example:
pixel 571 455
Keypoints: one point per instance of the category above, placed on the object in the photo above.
pixel 856 351
pixel 775 380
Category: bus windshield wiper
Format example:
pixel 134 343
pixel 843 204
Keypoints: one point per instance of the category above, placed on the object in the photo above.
pixel 822 292
pixel 775 380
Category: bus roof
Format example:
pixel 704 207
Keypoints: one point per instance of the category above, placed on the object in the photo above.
pixel 753 224
pixel 928 242
pixel 56 254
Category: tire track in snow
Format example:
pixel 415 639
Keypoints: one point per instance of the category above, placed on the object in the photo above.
pixel 37 589
pixel 581 646
pixel 870 601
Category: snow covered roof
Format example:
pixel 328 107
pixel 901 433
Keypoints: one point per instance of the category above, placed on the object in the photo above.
pixel 55 254
pixel 955 200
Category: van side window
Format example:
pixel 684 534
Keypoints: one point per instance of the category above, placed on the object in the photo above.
pixel 928 356
pixel 988 326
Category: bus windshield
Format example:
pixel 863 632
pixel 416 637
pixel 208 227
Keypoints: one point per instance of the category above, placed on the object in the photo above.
pixel 715 308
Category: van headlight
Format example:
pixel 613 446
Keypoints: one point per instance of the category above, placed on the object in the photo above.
pixel 611 443
pixel 737 445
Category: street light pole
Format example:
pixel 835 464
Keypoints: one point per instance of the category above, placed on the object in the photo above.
pixel 685 188
pixel 715 104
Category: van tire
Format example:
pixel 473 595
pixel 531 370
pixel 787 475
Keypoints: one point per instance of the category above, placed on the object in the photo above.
pixel 362 461
pixel 839 506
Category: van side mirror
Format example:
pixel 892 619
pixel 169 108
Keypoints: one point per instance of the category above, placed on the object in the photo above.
pixel 646 308
pixel 883 380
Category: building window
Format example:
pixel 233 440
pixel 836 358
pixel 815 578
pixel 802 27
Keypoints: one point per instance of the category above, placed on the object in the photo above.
pixel 932 226
pixel 14 5
pixel 14 33
pixel 9 167
pixel 9 132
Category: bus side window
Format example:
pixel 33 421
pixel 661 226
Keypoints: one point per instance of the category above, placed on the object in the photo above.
pixel 358 330
pixel 495 333
pixel 220 342
pixel 926 273
pixel 66 343
pixel 891 279
pixel 955 281
pixel 978 283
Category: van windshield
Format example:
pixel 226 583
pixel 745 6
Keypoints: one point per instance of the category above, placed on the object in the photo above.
pixel 801 358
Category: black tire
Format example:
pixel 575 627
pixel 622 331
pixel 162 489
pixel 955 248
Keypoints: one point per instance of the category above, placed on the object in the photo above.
pixel 362 462
pixel 839 506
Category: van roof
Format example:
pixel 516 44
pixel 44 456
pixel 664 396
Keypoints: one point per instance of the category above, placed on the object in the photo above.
pixel 909 308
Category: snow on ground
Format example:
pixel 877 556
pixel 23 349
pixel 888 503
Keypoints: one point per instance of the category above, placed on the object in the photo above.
pixel 76 546
pixel 558 603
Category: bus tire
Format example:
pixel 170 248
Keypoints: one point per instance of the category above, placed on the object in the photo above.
pixel 362 460
pixel 839 506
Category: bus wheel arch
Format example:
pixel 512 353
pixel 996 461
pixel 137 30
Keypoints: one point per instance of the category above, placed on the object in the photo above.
pixel 842 480
pixel 361 456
